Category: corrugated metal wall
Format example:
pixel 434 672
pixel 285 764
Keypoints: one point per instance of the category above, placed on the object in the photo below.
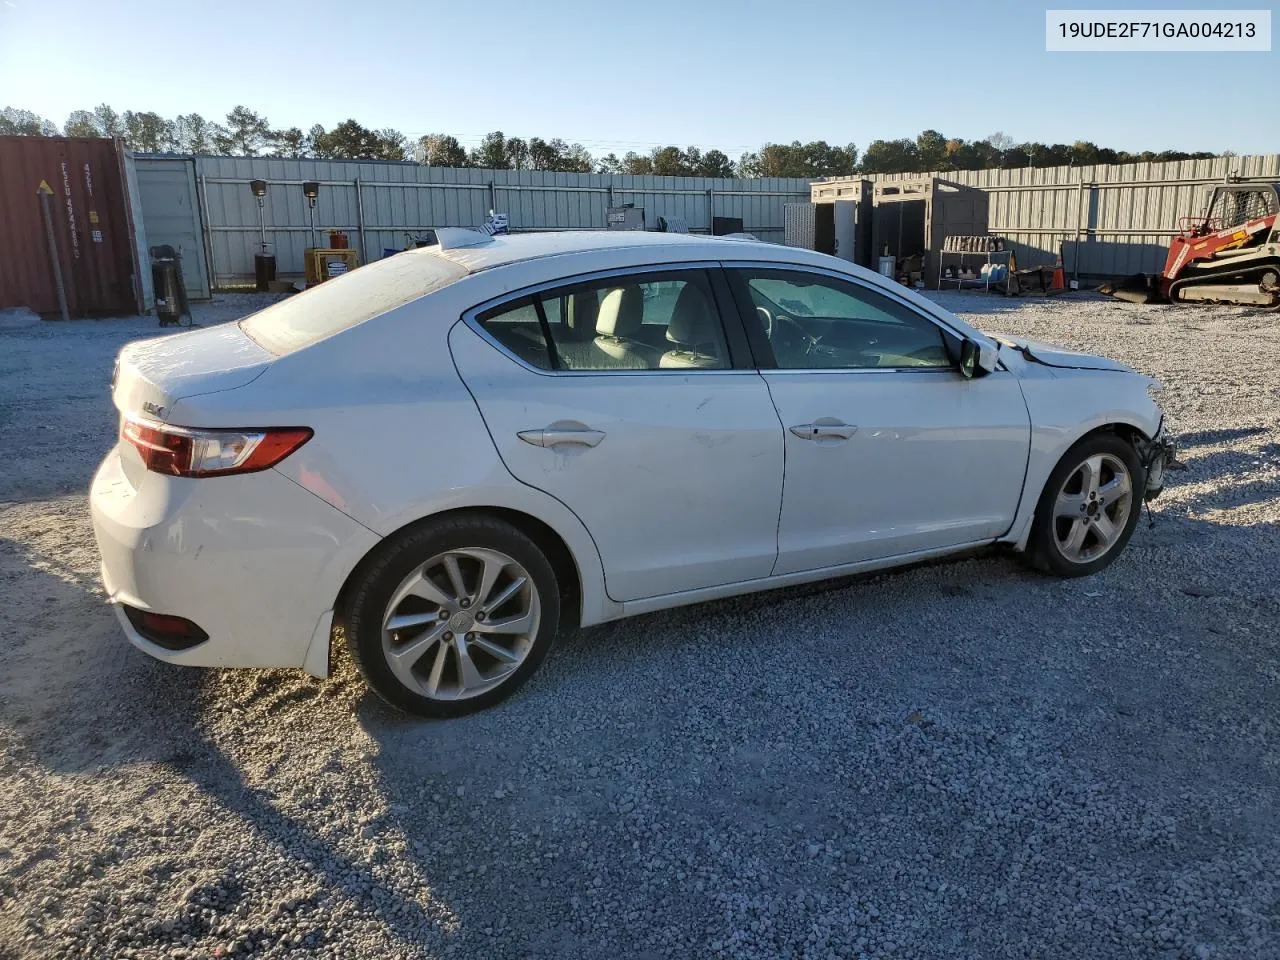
pixel 170 212
pixel 1110 220
pixel 91 224
pixel 377 204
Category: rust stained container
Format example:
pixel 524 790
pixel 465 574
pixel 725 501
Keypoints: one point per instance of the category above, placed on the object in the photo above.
pixel 92 227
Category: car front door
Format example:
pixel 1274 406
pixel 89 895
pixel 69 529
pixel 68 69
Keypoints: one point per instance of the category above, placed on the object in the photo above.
pixel 889 450
pixel 620 397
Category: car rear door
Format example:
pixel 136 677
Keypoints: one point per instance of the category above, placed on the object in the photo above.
pixel 622 397
pixel 889 450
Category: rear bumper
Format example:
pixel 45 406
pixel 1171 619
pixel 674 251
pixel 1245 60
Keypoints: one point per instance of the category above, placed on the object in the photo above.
pixel 255 561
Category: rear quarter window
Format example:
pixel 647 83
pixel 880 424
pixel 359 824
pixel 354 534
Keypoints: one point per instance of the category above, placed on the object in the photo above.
pixel 339 304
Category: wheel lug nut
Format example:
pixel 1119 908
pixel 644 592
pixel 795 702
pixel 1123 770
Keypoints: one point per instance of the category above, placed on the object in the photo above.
pixel 444 614
pixel 480 617
pixel 471 636
pixel 448 635
pixel 465 604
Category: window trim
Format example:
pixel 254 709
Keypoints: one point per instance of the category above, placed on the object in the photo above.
pixel 740 357
pixel 763 351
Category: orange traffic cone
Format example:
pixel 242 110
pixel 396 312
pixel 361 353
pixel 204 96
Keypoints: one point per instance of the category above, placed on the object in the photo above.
pixel 1059 275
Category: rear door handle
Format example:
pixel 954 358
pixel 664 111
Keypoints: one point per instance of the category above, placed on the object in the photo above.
pixel 551 436
pixel 824 429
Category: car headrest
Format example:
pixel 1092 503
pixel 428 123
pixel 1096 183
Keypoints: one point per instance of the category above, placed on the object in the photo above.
pixel 621 312
pixel 692 318
pixel 582 310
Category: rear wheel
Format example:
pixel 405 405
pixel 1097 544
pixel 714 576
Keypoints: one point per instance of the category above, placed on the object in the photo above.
pixel 1089 507
pixel 453 616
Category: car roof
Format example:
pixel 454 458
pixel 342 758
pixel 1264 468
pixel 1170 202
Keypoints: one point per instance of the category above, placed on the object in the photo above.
pixel 502 250
pixel 623 248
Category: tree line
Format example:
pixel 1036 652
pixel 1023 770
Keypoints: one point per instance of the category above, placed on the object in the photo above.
pixel 245 132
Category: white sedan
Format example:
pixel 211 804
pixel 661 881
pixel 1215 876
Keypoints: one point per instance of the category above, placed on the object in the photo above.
pixel 456 452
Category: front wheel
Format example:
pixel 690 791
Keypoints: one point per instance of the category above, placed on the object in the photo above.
pixel 452 616
pixel 1089 507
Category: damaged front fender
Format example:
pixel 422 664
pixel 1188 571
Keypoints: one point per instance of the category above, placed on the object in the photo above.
pixel 1158 455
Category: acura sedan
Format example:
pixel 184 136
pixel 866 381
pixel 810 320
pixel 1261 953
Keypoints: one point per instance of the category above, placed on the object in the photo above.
pixel 447 457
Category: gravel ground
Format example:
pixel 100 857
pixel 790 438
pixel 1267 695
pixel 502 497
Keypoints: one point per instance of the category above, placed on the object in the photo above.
pixel 963 760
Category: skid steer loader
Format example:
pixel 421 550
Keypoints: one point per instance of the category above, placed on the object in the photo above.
pixel 1230 255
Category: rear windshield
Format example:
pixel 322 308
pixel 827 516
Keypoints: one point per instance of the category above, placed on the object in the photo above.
pixel 341 303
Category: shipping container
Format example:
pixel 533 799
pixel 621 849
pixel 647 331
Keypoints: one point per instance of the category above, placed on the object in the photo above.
pixel 83 180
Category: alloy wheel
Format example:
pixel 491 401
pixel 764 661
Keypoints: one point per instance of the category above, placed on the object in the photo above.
pixel 461 623
pixel 1092 508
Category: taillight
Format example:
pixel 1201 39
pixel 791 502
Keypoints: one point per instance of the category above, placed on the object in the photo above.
pixel 188 452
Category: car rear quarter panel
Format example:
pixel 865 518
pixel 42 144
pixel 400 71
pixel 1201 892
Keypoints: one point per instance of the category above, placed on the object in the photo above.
pixel 397 436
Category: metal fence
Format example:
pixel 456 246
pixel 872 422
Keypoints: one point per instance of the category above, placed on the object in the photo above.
pixel 1108 220
pixel 379 204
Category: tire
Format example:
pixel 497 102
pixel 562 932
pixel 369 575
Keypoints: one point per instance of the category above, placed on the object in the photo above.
pixel 456 651
pixel 1057 523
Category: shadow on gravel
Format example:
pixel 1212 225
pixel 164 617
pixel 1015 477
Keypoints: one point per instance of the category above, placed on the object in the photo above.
pixel 1150 679
pixel 1261 490
pixel 1198 438
pixel 80 700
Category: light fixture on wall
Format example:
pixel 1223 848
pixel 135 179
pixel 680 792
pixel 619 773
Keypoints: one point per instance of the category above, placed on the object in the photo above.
pixel 259 189
pixel 264 265
pixel 311 190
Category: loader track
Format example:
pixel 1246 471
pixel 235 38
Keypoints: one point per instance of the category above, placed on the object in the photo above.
pixel 1257 271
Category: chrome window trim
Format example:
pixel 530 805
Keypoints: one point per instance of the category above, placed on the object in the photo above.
pixel 470 318
pixel 860 371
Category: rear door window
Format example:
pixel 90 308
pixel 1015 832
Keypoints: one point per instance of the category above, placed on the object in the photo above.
pixel 650 321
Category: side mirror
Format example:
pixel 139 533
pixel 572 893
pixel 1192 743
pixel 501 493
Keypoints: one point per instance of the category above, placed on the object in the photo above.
pixel 976 359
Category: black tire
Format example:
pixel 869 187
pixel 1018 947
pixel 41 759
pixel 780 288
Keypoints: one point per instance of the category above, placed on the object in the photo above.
pixel 1043 551
pixel 395 560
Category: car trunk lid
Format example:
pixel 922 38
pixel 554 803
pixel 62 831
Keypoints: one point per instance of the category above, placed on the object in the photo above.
pixel 152 375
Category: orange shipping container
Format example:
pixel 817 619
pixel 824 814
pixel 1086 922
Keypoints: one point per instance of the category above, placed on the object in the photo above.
pixel 92 227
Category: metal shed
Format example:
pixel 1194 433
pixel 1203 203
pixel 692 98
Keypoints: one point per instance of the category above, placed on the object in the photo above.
pixel 92 224
pixel 1108 220
pixel 914 217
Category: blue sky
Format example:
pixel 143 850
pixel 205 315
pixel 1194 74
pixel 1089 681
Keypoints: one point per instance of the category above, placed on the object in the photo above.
pixel 629 76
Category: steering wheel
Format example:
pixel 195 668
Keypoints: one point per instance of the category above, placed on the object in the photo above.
pixel 802 335
pixel 767 318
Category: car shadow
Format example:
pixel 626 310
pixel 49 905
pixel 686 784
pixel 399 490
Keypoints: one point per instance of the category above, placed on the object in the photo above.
pixel 899 648
pixel 79 701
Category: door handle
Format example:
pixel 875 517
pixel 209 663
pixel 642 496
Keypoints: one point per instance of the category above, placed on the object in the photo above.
pixel 824 429
pixel 551 436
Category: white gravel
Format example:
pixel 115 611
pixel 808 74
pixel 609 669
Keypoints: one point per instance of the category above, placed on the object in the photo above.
pixel 965 760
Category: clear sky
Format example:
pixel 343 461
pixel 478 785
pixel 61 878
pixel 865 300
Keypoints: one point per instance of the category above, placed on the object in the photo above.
pixel 630 76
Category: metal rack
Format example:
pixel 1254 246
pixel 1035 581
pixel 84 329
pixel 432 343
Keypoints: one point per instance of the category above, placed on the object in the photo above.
pixel 989 249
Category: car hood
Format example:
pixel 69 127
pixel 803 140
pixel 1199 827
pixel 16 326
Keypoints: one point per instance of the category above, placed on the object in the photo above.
pixel 1049 355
